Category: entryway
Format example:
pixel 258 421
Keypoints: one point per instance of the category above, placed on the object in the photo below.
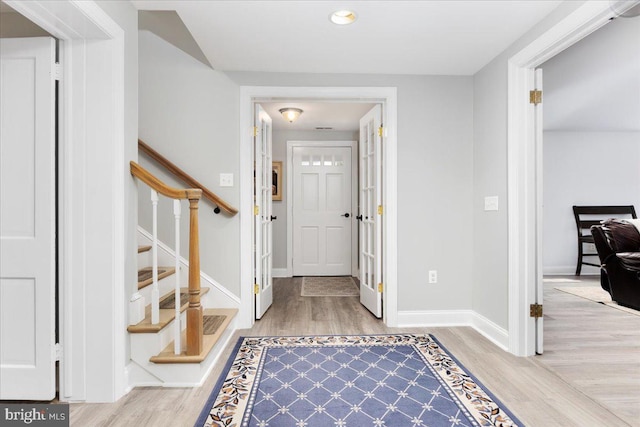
pixel 331 246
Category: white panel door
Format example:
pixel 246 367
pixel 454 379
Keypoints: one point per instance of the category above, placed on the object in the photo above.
pixel 370 189
pixel 27 219
pixel 321 211
pixel 263 258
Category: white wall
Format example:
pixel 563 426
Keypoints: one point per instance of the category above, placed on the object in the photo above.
pixel 592 134
pixel 435 172
pixel 189 113
pixel 280 138
pixel 594 85
pixel 584 168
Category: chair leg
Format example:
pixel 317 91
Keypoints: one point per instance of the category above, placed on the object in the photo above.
pixel 579 266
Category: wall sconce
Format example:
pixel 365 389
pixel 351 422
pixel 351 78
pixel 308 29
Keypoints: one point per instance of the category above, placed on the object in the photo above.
pixel 290 114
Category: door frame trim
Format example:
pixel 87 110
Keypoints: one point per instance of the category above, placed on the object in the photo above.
pixel 524 183
pixel 354 188
pixel 387 96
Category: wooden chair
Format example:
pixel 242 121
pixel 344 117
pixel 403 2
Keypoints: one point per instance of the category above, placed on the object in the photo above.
pixel 587 216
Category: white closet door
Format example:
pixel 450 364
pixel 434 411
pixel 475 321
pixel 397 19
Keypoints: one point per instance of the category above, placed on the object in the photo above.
pixel 27 219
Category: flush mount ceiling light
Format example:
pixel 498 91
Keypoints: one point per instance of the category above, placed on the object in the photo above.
pixel 343 17
pixel 290 114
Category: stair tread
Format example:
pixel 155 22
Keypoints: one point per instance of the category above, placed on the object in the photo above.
pixel 208 341
pixel 145 248
pixel 166 315
pixel 145 275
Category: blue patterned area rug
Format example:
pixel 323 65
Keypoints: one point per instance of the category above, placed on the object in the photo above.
pixel 349 381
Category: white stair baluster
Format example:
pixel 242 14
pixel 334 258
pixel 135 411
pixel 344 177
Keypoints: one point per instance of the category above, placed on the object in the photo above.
pixel 155 293
pixel 178 329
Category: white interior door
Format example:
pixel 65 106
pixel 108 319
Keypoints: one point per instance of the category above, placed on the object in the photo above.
pixel 27 219
pixel 370 189
pixel 321 211
pixel 263 253
pixel 538 123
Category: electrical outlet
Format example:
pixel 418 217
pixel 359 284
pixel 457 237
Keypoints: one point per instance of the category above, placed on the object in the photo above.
pixel 433 276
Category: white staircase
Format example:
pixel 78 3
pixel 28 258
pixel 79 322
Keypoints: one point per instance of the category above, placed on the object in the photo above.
pixel 175 339
pixel 152 345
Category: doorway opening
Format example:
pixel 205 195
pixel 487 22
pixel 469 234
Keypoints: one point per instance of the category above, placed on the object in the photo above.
pixel 386 98
pixel 332 206
pixel 524 148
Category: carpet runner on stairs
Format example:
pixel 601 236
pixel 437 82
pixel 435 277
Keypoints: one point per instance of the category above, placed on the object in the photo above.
pixel 145 275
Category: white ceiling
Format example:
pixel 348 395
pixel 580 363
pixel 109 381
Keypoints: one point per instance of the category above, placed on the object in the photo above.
pixel 340 116
pixel 389 37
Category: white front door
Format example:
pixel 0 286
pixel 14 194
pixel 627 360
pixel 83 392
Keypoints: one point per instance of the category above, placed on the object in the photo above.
pixel 370 189
pixel 27 219
pixel 322 216
pixel 263 228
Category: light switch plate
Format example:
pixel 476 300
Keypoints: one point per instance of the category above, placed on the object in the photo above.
pixel 491 203
pixel 226 180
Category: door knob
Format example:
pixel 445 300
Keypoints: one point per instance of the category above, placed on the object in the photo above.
pixel 273 217
pixel 347 215
pixel 359 217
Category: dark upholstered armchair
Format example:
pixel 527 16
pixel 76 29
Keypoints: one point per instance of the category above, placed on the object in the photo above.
pixel 618 246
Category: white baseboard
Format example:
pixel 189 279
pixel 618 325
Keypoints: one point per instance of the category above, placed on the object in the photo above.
pixel 494 333
pixel 568 270
pixel 442 318
pixel 280 272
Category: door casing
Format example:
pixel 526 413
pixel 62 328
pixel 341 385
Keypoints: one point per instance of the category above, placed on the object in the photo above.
pixel 354 201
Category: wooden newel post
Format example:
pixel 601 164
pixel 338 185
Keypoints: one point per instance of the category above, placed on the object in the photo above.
pixel 194 312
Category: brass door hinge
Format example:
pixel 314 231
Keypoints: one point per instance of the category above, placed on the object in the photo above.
pixel 380 209
pixel 380 287
pixel 256 210
pixel 380 129
pixel 255 131
pixel 535 97
pixel 256 289
pixel 535 310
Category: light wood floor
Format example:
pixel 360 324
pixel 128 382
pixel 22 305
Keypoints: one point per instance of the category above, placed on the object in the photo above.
pixel 594 347
pixel 582 380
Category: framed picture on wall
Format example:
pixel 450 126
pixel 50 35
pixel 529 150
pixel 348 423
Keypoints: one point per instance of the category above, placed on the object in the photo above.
pixel 276 174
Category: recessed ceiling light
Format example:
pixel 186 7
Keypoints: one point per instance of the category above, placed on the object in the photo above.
pixel 343 17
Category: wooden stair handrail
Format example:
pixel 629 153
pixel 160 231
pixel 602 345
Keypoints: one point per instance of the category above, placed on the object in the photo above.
pixel 162 188
pixel 194 327
pixel 184 177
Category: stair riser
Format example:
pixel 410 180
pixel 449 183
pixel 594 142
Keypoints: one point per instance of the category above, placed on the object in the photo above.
pixel 164 285
pixel 150 344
